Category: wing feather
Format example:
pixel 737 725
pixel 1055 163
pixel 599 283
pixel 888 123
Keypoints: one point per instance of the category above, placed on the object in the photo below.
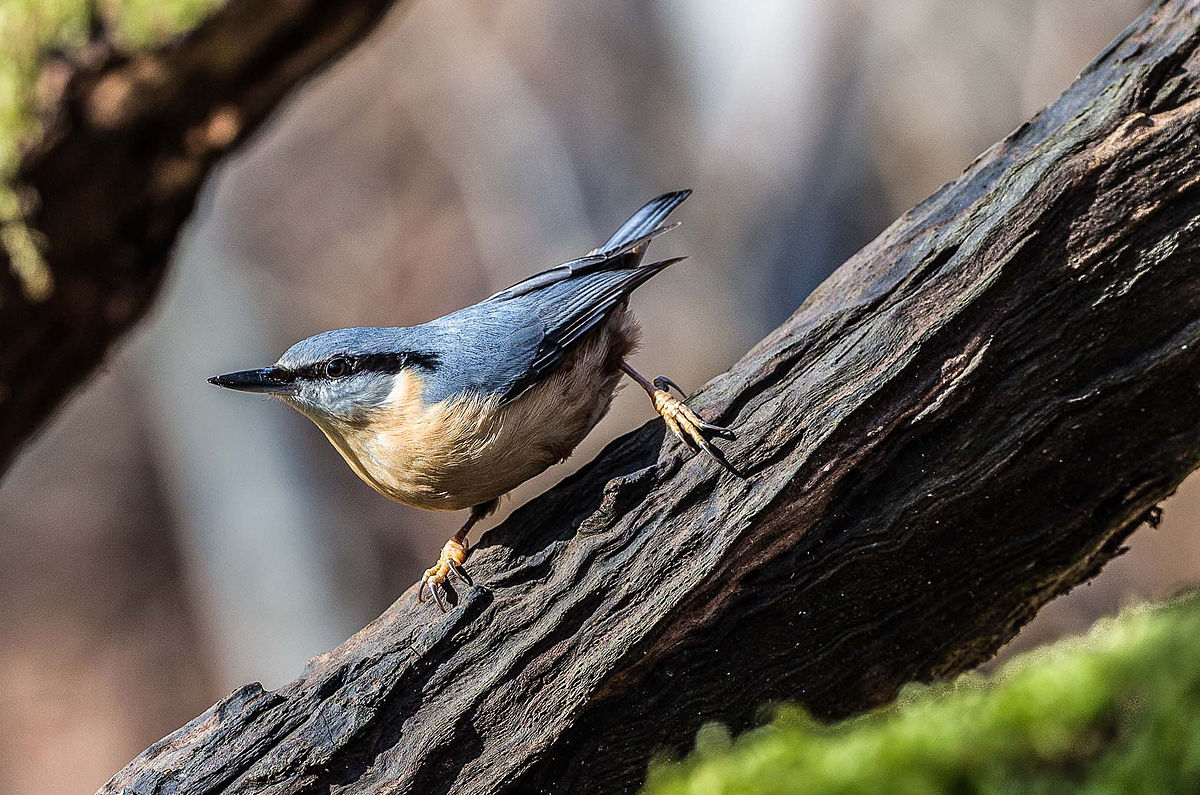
pixel 608 260
pixel 538 320
pixel 570 315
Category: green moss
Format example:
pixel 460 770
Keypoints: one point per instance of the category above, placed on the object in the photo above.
pixel 1116 711
pixel 28 29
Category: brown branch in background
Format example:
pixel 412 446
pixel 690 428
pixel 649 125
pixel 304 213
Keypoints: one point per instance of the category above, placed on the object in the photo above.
pixel 965 420
pixel 127 144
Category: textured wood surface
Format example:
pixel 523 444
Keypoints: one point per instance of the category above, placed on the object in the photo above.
pixel 965 420
pixel 127 143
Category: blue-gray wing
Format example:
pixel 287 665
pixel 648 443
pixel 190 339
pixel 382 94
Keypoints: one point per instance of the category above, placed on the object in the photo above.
pixel 535 323
pixel 568 310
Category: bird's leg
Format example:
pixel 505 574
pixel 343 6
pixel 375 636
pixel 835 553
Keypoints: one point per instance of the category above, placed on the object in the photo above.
pixel 687 426
pixel 454 553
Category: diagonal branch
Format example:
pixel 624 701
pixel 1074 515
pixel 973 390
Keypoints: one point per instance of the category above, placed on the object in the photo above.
pixel 115 174
pixel 965 420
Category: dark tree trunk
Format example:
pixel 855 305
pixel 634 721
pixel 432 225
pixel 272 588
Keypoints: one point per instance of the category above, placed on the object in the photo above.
pixel 115 175
pixel 965 420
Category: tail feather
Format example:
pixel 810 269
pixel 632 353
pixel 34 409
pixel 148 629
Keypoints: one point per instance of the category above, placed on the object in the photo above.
pixel 645 220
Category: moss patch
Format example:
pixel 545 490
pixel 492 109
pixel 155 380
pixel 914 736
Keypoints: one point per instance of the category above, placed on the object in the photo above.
pixel 29 29
pixel 1115 711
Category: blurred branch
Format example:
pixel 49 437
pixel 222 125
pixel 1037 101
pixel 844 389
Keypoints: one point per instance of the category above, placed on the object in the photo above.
pixel 966 419
pixel 126 144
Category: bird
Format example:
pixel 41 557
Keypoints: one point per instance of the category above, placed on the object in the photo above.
pixel 454 413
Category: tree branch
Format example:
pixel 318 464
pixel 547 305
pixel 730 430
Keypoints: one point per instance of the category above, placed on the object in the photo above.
pixel 126 146
pixel 965 420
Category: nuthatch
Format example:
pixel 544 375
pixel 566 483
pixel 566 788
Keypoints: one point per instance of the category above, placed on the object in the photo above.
pixel 458 411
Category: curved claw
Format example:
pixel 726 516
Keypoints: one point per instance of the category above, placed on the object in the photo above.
pixel 666 384
pixel 719 430
pixel 431 584
pixel 461 573
pixel 715 455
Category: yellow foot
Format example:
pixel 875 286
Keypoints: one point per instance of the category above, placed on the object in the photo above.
pixel 454 552
pixel 687 426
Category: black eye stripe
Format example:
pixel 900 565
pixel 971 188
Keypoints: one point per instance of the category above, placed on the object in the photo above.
pixel 395 362
pixel 387 363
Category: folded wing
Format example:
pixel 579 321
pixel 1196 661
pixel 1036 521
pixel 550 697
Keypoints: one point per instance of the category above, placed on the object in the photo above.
pixel 574 298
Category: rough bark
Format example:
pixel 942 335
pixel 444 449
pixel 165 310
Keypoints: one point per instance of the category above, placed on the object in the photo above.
pixel 128 141
pixel 965 420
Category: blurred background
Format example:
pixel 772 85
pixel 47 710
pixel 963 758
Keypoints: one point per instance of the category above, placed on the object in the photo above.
pixel 163 542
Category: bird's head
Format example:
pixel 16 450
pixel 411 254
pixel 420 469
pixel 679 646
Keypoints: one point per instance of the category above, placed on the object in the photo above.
pixel 341 377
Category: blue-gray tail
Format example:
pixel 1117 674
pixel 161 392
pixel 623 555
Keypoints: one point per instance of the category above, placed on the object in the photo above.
pixel 645 220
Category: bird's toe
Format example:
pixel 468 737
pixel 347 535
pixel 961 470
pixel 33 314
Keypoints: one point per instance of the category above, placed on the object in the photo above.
pixel 688 426
pixel 454 553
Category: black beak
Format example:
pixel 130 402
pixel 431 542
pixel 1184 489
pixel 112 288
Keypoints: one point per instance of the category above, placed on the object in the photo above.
pixel 269 380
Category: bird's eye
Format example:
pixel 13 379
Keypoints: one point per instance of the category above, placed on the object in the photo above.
pixel 338 367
